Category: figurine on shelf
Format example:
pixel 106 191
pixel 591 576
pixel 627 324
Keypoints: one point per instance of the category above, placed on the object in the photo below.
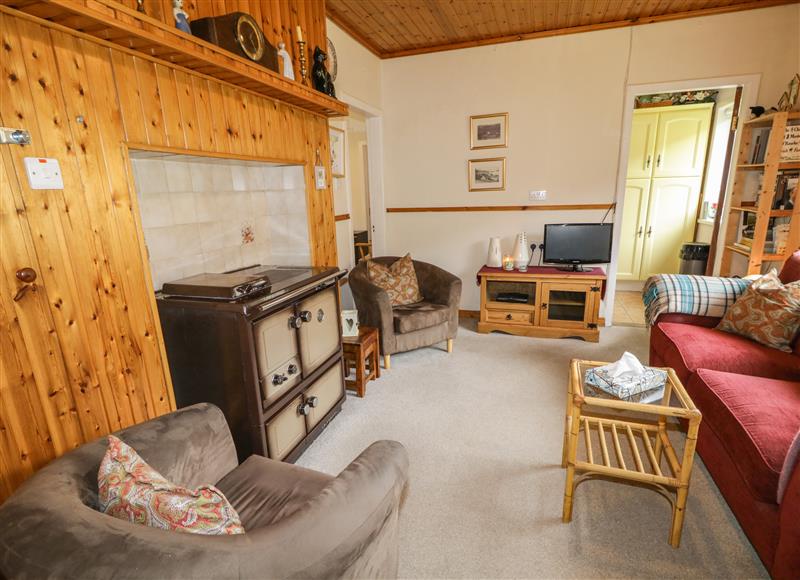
pixel 322 78
pixel 181 17
pixel 286 59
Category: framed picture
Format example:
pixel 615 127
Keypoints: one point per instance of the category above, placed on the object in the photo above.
pixel 794 89
pixel 487 174
pixel 487 131
pixel 337 152
pixel 349 322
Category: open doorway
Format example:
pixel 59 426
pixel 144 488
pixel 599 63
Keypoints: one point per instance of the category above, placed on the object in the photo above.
pixel 358 155
pixel 680 145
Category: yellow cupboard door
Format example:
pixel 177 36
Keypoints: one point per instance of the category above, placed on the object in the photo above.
pixel 631 239
pixel 682 141
pixel 643 139
pixel 671 217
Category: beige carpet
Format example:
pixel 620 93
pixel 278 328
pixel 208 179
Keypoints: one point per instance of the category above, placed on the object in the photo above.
pixel 483 428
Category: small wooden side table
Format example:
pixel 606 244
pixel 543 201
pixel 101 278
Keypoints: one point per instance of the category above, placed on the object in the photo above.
pixel 362 353
pixel 612 420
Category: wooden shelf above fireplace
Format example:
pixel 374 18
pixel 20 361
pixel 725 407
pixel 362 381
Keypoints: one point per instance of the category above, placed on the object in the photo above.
pixel 113 22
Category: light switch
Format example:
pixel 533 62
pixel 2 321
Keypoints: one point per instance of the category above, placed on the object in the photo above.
pixel 539 195
pixel 43 173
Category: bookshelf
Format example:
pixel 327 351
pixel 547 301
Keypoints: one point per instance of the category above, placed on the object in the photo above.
pixel 765 202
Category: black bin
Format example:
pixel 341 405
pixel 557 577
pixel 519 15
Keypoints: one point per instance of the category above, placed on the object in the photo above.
pixel 694 257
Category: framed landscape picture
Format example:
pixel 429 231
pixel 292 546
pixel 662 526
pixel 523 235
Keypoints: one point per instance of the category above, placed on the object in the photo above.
pixel 337 151
pixel 487 174
pixel 487 131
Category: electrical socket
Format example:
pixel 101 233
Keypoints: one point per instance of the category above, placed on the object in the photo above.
pixel 537 195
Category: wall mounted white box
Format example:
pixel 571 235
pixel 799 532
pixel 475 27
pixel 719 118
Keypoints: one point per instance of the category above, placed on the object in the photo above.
pixel 43 173
pixel 539 195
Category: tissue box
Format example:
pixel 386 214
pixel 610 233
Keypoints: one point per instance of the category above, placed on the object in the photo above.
pixel 626 387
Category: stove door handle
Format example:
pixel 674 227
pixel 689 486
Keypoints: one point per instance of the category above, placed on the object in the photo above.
pixel 295 322
pixel 305 316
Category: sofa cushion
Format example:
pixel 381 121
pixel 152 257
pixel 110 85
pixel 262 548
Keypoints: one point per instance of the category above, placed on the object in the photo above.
pixel 686 348
pixel 131 490
pixel 755 419
pixel 790 272
pixel 264 491
pixel 398 280
pixel 418 316
pixel 768 312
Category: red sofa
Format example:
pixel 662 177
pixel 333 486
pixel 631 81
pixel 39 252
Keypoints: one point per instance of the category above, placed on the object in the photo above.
pixel 750 399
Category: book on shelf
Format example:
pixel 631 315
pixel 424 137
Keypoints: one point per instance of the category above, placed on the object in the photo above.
pixel 790 150
pixel 761 141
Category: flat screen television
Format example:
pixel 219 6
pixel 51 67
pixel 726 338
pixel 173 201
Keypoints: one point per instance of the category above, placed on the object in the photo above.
pixel 577 244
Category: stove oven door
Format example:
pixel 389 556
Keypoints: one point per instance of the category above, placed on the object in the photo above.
pixel 319 333
pixel 276 354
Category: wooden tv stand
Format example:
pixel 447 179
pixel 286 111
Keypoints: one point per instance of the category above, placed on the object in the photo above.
pixel 557 303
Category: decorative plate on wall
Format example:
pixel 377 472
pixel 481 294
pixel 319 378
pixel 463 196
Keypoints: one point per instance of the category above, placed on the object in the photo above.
pixel 333 60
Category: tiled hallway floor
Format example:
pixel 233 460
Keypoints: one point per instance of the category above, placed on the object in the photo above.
pixel 629 309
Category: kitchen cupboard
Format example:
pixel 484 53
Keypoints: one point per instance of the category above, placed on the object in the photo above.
pixel 666 163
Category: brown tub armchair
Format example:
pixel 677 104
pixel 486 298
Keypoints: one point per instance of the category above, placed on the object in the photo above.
pixel 299 523
pixel 404 328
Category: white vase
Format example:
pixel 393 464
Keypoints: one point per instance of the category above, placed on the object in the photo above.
pixel 521 252
pixel 494 257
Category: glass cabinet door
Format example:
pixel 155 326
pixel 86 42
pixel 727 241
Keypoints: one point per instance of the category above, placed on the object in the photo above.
pixel 567 305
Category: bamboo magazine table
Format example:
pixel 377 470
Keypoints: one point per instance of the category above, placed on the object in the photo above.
pixel 629 440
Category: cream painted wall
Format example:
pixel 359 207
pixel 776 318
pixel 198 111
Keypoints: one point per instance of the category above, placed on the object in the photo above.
pixel 356 139
pixel 359 73
pixel 564 96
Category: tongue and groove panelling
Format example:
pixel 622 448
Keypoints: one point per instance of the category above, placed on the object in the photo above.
pixel 82 353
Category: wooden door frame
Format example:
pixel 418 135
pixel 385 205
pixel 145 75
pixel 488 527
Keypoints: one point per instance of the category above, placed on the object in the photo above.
pixel 750 85
pixel 736 123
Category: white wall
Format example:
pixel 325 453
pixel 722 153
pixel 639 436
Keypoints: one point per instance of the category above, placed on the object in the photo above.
pixel 359 71
pixel 564 96
pixel 206 215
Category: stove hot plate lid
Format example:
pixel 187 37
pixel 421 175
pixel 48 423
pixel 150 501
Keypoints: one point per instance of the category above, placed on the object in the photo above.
pixel 238 283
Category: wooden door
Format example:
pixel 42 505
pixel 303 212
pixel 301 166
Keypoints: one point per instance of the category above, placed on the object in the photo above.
pixel 631 239
pixel 671 215
pixel 33 380
pixel 566 305
pixel 682 140
pixel 643 139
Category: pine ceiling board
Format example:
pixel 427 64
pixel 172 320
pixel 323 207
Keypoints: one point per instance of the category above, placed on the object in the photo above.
pixel 402 27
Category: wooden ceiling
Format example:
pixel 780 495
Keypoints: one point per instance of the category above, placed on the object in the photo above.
pixel 392 28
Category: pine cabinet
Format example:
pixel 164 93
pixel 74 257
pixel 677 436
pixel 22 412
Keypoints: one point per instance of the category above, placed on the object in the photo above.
pixel 662 191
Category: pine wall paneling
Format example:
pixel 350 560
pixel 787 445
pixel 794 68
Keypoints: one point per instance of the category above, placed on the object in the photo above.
pixel 82 353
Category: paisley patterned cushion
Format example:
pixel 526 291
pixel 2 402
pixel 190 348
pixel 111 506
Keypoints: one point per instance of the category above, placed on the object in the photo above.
pixel 398 280
pixel 768 312
pixel 132 490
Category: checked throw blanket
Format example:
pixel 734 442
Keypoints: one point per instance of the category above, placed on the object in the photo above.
pixel 684 294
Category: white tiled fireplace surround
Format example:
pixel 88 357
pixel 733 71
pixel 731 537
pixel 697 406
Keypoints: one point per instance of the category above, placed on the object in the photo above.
pixel 210 215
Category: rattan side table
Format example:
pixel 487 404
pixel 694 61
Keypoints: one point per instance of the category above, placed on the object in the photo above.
pixel 614 420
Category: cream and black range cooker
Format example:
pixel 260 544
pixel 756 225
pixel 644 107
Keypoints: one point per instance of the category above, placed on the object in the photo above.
pixel 262 343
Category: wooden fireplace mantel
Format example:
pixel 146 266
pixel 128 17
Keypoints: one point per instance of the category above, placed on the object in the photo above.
pixel 113 22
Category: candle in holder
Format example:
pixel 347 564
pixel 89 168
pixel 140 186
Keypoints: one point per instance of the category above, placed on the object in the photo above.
pixel 299 34
pixel 508 263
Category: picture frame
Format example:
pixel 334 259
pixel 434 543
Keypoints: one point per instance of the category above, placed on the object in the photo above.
pixel 486 174
pixel 337 139
pixel 350 323
pixel 793 91
pixel 488 131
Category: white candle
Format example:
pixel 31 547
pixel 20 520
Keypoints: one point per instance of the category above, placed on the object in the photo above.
pixel 299 34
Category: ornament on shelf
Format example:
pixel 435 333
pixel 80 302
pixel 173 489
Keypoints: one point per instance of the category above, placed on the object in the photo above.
pixel 494 257
pixel 286 59
pixel 508 263
pixel 322 78
pixel 181 17
pixel 521 253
